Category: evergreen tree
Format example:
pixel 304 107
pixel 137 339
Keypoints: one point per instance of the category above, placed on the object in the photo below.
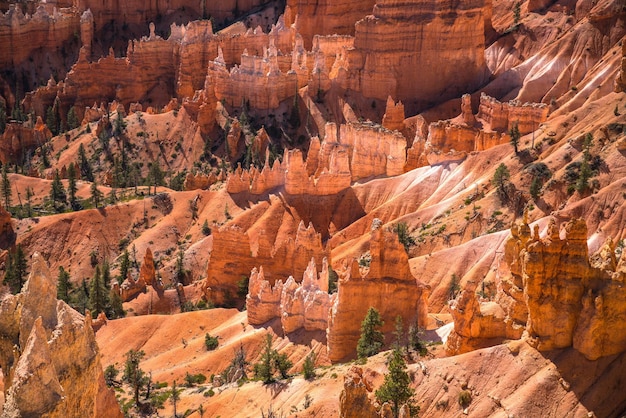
pixel 106 274
pixel 395 389
pixel 116 309
pixel 372 339
pixel 398 332
pixel 98 294
pixel 308 367
pixel 271 362
pixel 500 181
pixel 71 187
pixel 515 135
pixel 52 121
pixel 3 118
pixel 82 297
pixel 120 125
pixel 29 196
pixel 83 163
pixel 180 267
pixel 72 119
pixel 155 176
pixel 133 374
pixel 15 272
pixel 96 195
pixel 263 369
pixel 5 188
pixel 57 193
pixel 535 188
pixel 175 396
pixel 124 266
pixel 404 236
pixel 64 286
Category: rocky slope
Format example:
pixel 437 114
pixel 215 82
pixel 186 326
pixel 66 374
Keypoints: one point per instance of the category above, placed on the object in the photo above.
pixel 292 149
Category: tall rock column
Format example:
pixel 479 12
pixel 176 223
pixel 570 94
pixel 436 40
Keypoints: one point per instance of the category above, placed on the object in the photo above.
pixel 554 272
pixel 388 286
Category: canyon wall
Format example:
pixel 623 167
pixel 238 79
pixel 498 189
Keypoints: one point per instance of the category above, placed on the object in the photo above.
pixel 326 17
pixel 298 305
pixel 502 116
pixel 409 50
pixel 348 153
pixel 387 279
pixel 49 356
pixel 19 139
pixel 561 297
pixel 235 254
pixel 21 34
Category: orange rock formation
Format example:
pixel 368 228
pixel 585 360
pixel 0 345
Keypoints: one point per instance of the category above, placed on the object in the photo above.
pixel 388 277
pixel 49 355
pixel 569 302
pixel 401 39
pixel 304 305
pixel 235 254
pixel 502 116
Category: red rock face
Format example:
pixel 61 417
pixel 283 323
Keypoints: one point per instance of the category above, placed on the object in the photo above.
pixel 235 254
pixel 388 278
pixel 18 138
pixel 326 17
pixel 403 39
pixel 553 289
pixel 49 354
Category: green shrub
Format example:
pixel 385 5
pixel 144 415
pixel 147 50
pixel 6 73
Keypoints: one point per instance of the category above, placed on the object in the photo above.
pixel 210 342
pixel 465 398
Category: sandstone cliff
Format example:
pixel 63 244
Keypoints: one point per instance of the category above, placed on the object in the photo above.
pixel 297 305
pixel 388 277
pixel 235 253
pixel 552 288
pixel 401 39
pixel 325 17
pixel 502 116
pixel 49 355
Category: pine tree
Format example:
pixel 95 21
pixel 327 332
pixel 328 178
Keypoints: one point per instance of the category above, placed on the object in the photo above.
pixel 133 374
pixel 98 294
pixel 395 389
pixel 180 267
pixel 15 271
pixel 535 188
pixel 500 181
pixel 308 367
pixel 155 176
pixel 5 188
pixel 64 286
pixel 124 266
pixel 116 309
pixel 3 118
pixel 57 193
pixel 175 396
pixel 71 187
pixel 96 195
pixel 515 135
pixel 372 339
pixel 263 369
pixel 52 121
pixel 72 119
pixel 106 274
pixel 82 297
pixel 85 167
pixel 29 196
